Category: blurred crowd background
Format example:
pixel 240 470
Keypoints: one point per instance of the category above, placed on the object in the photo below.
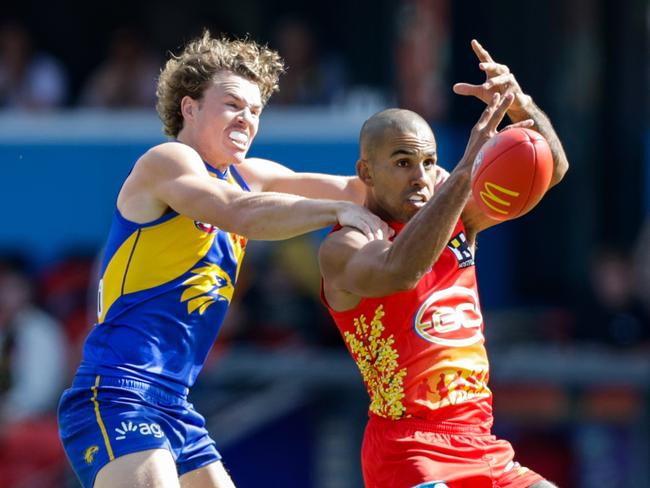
pixel 566 289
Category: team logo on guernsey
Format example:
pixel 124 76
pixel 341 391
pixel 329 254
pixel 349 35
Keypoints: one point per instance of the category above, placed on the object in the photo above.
pixel 208 284
pixel 450 317
pixel 207 228
pixel 458 245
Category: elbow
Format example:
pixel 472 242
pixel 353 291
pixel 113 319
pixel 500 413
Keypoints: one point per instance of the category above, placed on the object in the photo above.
pixel 401 281
pixel 559 172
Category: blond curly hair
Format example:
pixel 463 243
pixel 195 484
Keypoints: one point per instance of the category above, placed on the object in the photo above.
pixel 192 72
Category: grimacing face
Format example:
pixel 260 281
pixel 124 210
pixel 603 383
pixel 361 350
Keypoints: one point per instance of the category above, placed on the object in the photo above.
pixel 226 119
pixel 403 172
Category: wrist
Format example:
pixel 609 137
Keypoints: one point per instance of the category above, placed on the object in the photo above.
pixel 522 108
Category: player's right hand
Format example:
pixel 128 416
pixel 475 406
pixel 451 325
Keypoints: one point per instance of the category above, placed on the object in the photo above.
pixel 486 127
pixel 362 219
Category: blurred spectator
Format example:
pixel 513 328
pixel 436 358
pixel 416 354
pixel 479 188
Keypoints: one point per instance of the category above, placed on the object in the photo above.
pixel 33 359
pixel 282 305
pixel 127 78
pixel 32 371
pixel 312 78
pixel 28 79
pixel 612 313
pixel 420 56
pixel 641 271
pixel 68 290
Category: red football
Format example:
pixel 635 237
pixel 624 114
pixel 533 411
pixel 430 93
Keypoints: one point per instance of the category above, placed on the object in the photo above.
pixel 511 173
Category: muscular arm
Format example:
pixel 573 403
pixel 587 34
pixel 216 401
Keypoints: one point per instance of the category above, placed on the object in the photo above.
pixel 265 175
pixel 353 267
pixel 173 176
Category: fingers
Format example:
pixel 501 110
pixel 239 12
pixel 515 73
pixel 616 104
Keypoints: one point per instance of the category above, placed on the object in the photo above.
pixel 524 123
pixel 494 112
pixel 367 223
pixel 489 110
pixel 493 69
pixel 504 80
pixel 467 89
pixel 481 52
pixel 502 106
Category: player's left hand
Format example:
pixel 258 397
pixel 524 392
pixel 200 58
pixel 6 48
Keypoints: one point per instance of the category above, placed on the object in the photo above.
pixel 498 79
pixel 441 176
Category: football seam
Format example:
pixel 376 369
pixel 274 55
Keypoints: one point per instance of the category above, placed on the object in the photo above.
pixel 532 180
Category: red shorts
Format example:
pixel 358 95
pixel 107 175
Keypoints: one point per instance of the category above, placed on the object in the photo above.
pixel 407 453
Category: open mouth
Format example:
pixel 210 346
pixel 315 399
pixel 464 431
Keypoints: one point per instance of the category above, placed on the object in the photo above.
pixel 238 138
pixel 417 199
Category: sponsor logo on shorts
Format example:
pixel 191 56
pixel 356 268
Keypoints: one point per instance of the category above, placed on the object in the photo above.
pixel 129 429
pixel 89 454
pixel 450 317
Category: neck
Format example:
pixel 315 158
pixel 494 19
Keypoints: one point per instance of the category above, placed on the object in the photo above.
pixel 374 206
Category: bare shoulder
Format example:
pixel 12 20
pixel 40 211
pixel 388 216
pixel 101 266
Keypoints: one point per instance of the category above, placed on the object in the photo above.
pixel 338 247
pixel 169 156
pixel 137 200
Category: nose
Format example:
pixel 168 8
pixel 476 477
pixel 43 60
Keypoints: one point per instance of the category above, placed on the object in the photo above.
pixel 245 117
pixel 418 176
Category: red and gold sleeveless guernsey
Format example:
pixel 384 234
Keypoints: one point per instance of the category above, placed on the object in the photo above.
pixel 164 291
pixel 421 352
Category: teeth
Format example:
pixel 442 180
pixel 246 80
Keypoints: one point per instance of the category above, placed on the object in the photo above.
pixel 239 136
pixel 416 198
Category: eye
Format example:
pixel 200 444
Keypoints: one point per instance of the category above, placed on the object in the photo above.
pixel 429 164
pixel 402 163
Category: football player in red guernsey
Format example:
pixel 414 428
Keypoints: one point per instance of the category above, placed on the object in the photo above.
pixel 408 308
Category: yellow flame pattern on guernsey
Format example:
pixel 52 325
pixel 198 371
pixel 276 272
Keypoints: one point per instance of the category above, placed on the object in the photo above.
pixel 377 360
pixel 209 284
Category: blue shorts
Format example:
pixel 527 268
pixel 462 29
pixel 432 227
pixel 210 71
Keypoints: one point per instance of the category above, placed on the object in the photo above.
pixel 103 418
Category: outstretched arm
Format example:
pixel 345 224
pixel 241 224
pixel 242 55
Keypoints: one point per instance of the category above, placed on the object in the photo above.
pixel 265 175
pixel 172 175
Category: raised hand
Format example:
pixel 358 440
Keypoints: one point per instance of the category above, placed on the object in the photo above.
pixel 498 79
pixel 487 124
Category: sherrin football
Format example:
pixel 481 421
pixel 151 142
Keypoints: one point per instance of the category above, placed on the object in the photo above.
pixel 511 173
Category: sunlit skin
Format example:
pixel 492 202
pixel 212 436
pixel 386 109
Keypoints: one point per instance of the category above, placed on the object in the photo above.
pixel 221 125
pixel 401 169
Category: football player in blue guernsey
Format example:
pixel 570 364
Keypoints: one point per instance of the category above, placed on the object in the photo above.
pixel 170 266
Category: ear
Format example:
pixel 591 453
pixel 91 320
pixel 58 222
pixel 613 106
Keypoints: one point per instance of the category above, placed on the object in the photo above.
pixel 188 107
pixel 363 172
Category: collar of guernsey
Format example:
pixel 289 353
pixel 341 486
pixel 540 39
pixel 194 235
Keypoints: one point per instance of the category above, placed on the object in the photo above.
pixel 421 352
pixel 164 289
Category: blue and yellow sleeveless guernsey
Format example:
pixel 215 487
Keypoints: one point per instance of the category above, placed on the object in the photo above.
pixel 164 290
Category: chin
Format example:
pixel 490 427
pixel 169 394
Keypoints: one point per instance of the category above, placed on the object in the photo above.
pixel 234 158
